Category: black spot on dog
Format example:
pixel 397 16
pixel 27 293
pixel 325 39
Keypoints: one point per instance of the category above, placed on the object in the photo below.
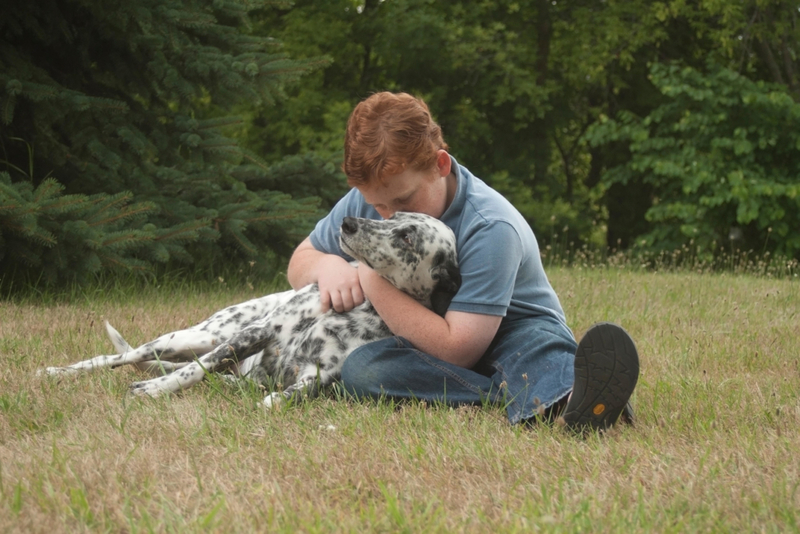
pixel 303 324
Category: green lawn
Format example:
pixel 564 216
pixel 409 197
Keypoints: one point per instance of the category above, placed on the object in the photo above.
pixel 715 448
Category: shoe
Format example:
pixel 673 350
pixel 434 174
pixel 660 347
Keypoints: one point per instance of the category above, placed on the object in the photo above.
pixel 606 372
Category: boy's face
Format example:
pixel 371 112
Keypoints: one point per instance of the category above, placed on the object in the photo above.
pixel 427 191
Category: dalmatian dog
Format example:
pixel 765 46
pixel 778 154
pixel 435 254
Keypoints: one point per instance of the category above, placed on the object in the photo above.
pixel 285 337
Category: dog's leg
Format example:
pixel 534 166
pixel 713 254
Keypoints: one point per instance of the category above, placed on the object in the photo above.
pixel 187 376
pixel 307 385
pixel 250 367
pixel 160 367
pixel 153 367
pixel 247 343
pixel 183 344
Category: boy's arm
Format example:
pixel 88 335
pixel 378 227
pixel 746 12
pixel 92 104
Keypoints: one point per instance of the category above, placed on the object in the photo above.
pixel 459 338
pixel 338 281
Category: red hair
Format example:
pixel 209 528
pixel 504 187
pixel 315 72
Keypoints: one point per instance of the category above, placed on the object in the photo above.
pixel 388 133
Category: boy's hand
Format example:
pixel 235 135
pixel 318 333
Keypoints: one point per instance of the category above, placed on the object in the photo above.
pixel 339 286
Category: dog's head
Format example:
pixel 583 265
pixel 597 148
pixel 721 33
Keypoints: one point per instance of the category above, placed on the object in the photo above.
pixel 415 252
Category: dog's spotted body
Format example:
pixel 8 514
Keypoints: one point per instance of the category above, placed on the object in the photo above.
pixel 286 337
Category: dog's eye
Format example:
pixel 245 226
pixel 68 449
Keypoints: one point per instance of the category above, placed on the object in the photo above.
pixel 405 234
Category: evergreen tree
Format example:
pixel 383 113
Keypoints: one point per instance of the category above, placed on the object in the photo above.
pixel 124 107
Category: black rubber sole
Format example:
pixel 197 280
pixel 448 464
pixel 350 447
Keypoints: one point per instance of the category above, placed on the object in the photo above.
pixel 606 372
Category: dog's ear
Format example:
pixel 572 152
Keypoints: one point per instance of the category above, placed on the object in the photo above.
pixel 448 280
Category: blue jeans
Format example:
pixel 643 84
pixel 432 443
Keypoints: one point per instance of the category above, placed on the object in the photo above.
pixel 528 367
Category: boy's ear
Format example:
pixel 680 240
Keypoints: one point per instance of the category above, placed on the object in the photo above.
pixel 443 162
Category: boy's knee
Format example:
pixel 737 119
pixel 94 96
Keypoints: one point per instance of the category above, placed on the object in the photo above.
pixel 353 367
pixel 363 371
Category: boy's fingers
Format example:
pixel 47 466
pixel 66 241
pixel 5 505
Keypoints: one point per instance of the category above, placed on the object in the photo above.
pixel 325 300
pixel 345 302
pixel 358 296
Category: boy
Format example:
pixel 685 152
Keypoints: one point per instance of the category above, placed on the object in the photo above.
pixel 504 336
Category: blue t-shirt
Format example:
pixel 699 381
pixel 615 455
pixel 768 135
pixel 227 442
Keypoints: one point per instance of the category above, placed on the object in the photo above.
pixel 498 256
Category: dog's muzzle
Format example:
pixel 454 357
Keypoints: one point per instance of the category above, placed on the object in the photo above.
pixel 349 226
pixel 349 229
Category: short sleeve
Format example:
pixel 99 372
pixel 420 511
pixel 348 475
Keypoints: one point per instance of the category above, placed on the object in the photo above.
pixel 489 260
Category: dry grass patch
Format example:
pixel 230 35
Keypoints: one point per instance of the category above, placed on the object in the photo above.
pixel 714 448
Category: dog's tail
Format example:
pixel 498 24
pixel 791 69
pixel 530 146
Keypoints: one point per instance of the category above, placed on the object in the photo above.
pixel 120 345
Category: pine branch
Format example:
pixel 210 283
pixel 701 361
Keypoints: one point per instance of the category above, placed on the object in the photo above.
pixel 219 122
pixel 190 19
pixel 125 117
pixel 185 232
pixel 235 230
pixel 25 255
pixel 39 92
pixel 289 215
pixel 129 213
pixel 122 263
pixel 126 239
pixel 254 159
pixel 7 110
pixel 48 189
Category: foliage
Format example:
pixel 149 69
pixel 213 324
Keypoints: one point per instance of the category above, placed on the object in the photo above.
pixel 44 229
pixel 118 97
pixel 515 84
pixel 722 156
pixel 176 102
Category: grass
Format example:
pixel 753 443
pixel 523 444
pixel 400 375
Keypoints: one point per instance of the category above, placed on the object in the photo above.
pixel 715 447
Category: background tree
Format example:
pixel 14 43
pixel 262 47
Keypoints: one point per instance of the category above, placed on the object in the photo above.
pixel 175 102
pixel 516 86
pixel 116 97
pixel 719 43
pixel 721 157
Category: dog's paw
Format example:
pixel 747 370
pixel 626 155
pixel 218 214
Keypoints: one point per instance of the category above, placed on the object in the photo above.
pixel 56 371
pixel 153 388
pixel 274 400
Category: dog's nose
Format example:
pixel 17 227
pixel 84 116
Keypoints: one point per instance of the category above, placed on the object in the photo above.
pixel 349 226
